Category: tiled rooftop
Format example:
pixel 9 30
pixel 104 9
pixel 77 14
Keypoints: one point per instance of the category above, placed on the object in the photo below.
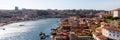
pixel 102 37
pixel 112 28
pixel 99 29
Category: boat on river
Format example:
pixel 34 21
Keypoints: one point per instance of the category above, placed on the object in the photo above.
pixel 1 28
pixel 21 25
pixel 43 36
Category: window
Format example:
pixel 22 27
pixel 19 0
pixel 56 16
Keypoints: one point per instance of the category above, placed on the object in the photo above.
pixel 113 35
pixel 110 31
pixel 113 31
pixel 109 34
pixel 117 32
pixel 117 35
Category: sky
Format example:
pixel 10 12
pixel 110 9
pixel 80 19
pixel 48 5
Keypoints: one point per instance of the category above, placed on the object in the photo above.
pixel 60 4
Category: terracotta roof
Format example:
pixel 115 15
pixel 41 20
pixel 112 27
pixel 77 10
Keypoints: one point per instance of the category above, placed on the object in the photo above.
pixel 99 35
pixel 102 23
pixel 102 37
pixel 65 31
pixel 94 33
pixel 112 28
pixel 65 24
pixel 81 22
pixel 118 9
pixel 99 29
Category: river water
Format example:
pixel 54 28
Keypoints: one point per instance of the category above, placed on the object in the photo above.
pixel 30 30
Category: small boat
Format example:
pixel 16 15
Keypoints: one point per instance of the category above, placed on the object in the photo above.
pixel 21 25
pixel 1 28
pixel 43 36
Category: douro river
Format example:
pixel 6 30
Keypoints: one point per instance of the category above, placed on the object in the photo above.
pixel 28 30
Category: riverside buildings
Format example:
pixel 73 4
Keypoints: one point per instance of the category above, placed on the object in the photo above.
pixel 116 12
pixel 108 31
pixel 76 28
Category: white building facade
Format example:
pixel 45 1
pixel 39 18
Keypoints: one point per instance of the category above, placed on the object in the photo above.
pixel 106 32
pixel 112 34
pixel 116 12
